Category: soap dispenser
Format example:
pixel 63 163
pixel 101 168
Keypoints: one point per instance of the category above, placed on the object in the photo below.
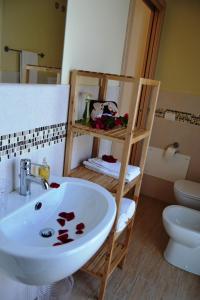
pixel 44 170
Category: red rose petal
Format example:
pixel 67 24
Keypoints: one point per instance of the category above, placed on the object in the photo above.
pixel 68 241
pixel 61 222
pixel 61 231
pixel 63 238
pixel 64 242
pixel 54 185
pixel 80 226
pixel 57 244
pixel 63 215
pixel 68 216
pixel 109 158
pixel 79 232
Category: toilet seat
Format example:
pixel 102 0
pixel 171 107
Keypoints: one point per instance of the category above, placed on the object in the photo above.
pixel 188 188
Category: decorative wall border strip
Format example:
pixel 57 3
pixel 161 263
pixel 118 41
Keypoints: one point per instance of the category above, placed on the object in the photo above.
pixel 180 116
pixel 18 143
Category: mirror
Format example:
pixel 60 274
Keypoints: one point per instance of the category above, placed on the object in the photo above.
pixel 31 40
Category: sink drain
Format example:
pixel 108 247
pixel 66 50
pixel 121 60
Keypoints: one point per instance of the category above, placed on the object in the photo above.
pixel 47 232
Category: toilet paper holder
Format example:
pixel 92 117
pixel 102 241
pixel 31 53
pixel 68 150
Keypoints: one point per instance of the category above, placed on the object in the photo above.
pixel 174 145
pixel 171 150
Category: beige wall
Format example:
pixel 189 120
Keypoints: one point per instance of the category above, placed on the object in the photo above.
pixel 33 25
pixel 166 132
pixel 178 63
pixel 178 69
pixel 94 36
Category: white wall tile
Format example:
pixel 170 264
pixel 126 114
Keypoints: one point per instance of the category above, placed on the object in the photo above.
pixel 28 106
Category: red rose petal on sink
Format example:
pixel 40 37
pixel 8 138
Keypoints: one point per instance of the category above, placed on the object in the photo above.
pixel 63 215
pixel 61 222
pixel 79 232
pixel 57 244
pixel 54 185
pixel 63 238
pixel 68 216
pixel 68 241
pixel 61 231
pixel 80 226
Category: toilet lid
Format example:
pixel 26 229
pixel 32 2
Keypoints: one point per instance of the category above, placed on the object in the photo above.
pixel 189 188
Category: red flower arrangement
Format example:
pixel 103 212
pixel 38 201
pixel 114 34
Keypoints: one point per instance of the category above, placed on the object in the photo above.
pixel 109 122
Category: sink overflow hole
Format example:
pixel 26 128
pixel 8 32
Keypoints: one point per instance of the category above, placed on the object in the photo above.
pixel 38 205
pixel 47 232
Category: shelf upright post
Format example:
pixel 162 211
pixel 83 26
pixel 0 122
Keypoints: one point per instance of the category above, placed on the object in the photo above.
pixel 71 122
pixel 133 109
pixel 155 87
pixel 149 124
pixel 103 85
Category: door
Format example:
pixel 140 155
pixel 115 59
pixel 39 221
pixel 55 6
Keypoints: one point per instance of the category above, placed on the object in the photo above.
pixel 140 56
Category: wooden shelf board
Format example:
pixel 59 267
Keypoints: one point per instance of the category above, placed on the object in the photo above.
pixel 119 252
pixel 107 182
pixel 116 134
pixel 43 68
pixel 105 75
pixel 96 265
pixel 139 135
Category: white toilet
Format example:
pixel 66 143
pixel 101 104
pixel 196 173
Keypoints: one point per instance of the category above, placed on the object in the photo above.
pixel 187 193
pixel 183 227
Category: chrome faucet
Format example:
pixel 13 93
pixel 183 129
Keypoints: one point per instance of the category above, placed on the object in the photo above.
pixel 26 178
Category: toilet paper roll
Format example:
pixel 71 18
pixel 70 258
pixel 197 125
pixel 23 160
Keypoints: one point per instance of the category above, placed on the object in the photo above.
pixel 170 115
pixel 169 152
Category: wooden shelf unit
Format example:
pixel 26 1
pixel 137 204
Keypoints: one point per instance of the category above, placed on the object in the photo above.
pixel 113 252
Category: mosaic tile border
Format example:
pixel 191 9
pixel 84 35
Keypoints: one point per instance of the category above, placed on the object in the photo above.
pixel 180 116
pixel 18 143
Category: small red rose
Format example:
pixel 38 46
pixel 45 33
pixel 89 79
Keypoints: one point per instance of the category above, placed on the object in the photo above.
pixel 118 122
pixel 126 116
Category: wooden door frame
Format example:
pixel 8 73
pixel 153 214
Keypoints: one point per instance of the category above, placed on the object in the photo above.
pixel 157 8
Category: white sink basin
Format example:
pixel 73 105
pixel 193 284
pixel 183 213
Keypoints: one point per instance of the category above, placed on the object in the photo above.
pixel 30 258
